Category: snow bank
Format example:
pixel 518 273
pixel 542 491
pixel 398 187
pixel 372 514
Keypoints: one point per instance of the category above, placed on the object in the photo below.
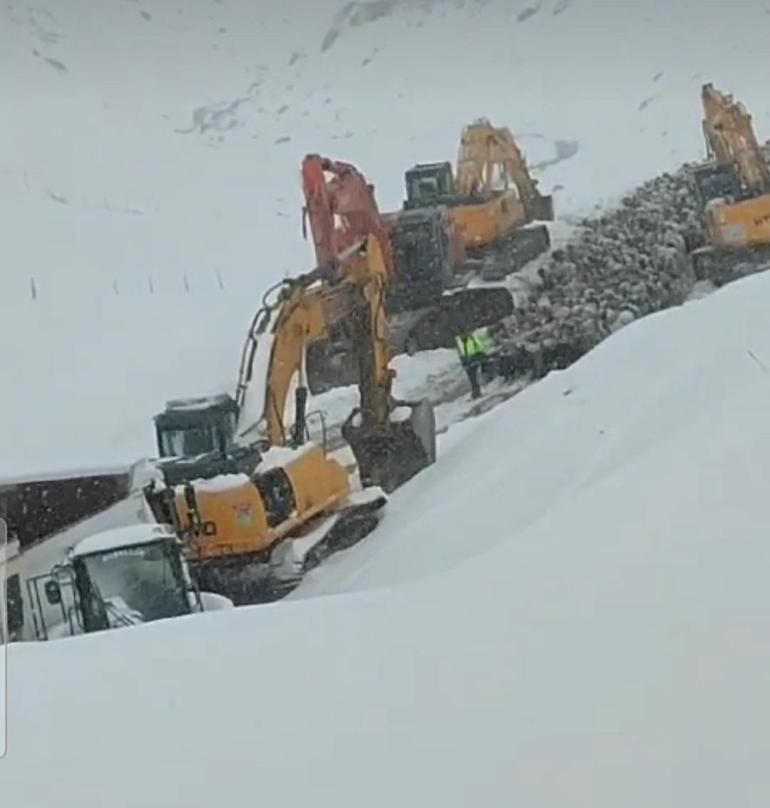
pixel 563 436
pixel 589 627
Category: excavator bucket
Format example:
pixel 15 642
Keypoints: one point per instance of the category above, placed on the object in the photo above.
pixel 390 456
pixel 542 209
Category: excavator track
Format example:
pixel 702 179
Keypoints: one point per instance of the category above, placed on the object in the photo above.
pixel 330 364
pixel 723 266
pixel 431 327
pixel 514 252
pixel 259 579
pixel 458 312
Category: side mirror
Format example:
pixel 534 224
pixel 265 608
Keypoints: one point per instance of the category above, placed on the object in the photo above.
pixel 53 593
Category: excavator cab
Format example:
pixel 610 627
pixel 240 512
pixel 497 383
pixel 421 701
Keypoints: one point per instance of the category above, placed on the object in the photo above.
pixel 429 184
pixel 190 427
pixel 717 181
pixel 196 438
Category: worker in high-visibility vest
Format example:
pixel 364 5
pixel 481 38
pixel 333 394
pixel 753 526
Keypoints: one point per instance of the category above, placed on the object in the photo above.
pixel 474 349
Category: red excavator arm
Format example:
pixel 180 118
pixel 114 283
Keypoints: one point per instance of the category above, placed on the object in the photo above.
pixel 341 208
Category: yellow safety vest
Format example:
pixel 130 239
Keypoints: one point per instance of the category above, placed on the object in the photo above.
pixel 475 344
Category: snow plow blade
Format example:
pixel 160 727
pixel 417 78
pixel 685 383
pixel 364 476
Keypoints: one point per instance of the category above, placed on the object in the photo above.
pixel 390 456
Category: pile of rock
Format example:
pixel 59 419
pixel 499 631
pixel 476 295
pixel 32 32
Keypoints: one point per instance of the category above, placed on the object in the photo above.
pixel 623 265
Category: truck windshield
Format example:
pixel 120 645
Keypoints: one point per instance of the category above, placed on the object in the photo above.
pixel 132 585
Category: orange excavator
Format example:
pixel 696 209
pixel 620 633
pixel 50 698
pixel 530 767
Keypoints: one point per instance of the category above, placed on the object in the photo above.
pixel 734 192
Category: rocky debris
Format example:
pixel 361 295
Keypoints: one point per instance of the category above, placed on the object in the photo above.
pixel 624 264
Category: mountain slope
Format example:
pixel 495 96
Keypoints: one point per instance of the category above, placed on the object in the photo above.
pixel 150 186
pixel 653 393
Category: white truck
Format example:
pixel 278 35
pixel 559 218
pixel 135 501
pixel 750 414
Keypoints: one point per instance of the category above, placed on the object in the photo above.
pixel 122 577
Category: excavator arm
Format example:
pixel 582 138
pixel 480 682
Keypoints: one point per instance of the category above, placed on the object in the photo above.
pixel 489 156
pixel 272 390
pixel 341 208
pixel 734 191
pixel 730 138
pixel 305 309
pixel 392 440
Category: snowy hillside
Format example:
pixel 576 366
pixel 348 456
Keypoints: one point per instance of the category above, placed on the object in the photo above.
pixel 149 171
pixel 589 627
pixel 683 392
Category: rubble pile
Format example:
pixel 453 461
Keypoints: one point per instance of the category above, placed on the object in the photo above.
pixel 624 264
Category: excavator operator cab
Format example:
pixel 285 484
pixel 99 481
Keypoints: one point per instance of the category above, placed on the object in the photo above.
pixel 429 184
pixel 193 427
pixel 717 181
pixel 196 439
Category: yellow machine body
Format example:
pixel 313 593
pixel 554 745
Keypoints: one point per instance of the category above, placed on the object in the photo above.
pixel 739 224
pixel 237 515
pixel 488 221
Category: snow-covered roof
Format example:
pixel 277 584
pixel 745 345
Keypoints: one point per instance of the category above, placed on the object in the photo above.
pixel 198 403
pixel 221 483
pixel 281 456
pixel 121 537
pixel 65 474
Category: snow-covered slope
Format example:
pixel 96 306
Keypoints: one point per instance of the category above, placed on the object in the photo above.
pixel 149 173
pixel 674 385
pixel 590 625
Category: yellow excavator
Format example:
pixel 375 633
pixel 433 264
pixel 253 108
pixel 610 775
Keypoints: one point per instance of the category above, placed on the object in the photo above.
pixel 490 198
pixel 262 503
pixel 734 192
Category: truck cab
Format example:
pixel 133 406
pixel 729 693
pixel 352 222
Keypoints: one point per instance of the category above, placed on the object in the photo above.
pixel 123 577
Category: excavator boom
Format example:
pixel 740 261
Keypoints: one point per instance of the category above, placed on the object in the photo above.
pixel 341 209
pixel 734 191
pixel 391 440
pixel 490 160
pixel 730 137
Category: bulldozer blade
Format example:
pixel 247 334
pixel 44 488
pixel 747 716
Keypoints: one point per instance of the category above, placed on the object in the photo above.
pixel 388 456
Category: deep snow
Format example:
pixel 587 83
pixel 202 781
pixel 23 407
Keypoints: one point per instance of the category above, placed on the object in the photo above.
pixel 149 182
pixel 571 608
